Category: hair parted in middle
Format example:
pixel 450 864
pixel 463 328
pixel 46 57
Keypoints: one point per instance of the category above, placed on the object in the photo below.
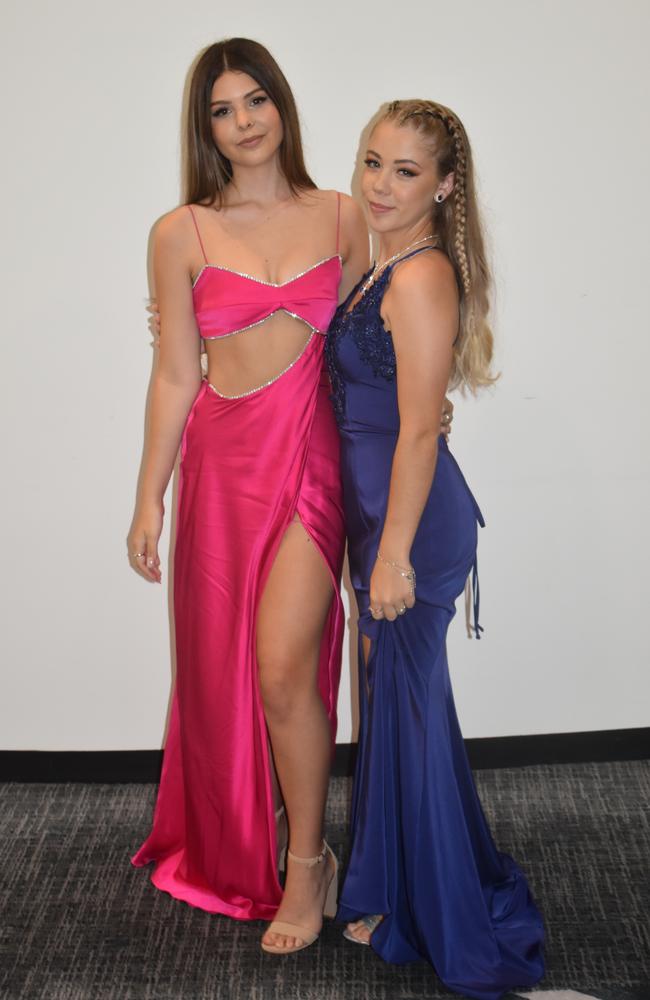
pixel 206 172
pixel 457 224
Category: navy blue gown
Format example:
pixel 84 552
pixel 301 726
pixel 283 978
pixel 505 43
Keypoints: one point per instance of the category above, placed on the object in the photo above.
pixel 421 853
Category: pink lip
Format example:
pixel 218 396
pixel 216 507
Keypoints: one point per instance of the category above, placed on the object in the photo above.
pixel 379 209
pixel 253 141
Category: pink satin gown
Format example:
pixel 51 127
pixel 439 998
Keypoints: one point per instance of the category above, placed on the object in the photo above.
pixel 249 465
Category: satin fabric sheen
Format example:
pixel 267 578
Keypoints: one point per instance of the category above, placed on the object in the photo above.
pixel 248 466
pixel 422 853
pixel 227 302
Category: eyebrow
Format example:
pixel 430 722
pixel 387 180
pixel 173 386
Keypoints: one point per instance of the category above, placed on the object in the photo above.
pixel 249 94
pixel 372 152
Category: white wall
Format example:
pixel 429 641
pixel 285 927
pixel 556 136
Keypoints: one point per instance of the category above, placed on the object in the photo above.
pixel 554 96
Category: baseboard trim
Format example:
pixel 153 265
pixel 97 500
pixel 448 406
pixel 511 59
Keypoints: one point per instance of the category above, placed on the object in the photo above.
pixel 143 766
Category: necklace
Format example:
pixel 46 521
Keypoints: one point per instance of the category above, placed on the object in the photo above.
pixel 378 268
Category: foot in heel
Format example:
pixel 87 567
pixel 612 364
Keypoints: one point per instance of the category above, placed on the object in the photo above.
pixel 310 893
pixel 360 931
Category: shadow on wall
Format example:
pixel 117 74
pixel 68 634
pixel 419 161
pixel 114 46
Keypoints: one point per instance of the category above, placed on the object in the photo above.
pixel 175 482
pixel 355 182
pixel 175 478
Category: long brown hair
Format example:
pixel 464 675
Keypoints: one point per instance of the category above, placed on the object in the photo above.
pixel 206 172
pixel 457 223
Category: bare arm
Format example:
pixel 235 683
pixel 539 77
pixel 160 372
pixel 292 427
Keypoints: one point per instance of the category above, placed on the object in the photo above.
pixel 354 245
pixel 175 381
pixel 421 310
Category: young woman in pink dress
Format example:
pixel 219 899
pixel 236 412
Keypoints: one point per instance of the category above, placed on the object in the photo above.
pixel 254 265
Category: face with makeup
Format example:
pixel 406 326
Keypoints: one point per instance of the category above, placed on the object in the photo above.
pixel 401 181
pixel 246 125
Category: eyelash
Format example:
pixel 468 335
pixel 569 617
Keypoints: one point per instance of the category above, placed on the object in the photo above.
pixel 255 101
pixel 370 163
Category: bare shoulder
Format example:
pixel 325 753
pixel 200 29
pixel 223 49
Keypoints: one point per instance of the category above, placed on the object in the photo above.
pixel 351 213
pixel 422 292
pixel 426 277
pixel 354 230
pixel 330 199
pixel 174 230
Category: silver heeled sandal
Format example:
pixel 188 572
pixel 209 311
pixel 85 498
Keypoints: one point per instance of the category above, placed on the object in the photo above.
pixel 372 922
pixel 306 935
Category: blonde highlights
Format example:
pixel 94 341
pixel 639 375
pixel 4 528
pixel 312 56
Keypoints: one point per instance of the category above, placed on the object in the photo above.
pixel 457 224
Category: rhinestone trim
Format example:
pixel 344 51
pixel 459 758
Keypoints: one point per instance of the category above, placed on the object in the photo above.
pixel 264 385
pixel 261 281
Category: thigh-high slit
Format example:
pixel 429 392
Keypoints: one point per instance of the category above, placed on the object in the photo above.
pixel 249 466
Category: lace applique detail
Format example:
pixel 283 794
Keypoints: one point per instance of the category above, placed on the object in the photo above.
pixel 365 328
pixel 337 396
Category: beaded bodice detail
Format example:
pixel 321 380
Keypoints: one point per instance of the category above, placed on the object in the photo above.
pixel 364 326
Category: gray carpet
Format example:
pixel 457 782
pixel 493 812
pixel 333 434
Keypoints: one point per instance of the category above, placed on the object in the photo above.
pixel 80 924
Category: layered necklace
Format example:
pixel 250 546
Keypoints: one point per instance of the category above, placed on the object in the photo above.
pixel 378 268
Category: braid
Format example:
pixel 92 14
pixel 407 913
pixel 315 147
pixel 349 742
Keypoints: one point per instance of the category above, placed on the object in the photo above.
pixel 460 204
pixel 458 164
pixel 456 221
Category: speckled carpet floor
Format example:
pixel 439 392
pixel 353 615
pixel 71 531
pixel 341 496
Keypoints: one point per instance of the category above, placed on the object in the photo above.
pixel 79 923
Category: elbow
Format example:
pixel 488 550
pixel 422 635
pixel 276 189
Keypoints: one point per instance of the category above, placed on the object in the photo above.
pixel 182 379
pixel 171 391
pixel 419 446
pixel 422 437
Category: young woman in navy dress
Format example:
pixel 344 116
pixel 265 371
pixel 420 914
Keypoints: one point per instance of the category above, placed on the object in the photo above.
pixel 425 879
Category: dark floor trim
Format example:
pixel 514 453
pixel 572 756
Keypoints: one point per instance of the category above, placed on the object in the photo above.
pixel 559 748
pixel 503 751
pixel 91 766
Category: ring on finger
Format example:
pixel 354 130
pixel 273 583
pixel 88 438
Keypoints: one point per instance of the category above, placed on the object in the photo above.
pixel 138 555
pixel 402 610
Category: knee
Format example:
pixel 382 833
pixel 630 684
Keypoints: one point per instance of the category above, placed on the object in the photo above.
pixel 280 685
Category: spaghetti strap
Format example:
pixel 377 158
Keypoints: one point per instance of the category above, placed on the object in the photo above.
pixel 388 271
pixel 198 234
pixel 338 218
pixel 413 253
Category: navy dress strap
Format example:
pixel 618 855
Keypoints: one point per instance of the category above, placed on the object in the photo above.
pixel 413 253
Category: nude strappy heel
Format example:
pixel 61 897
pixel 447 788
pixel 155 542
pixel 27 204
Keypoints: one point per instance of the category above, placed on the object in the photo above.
pixel 306 935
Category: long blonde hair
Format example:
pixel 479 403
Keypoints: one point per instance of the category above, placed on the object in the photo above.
pixel 457 223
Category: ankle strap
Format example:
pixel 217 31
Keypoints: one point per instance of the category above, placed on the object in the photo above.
pixel 311 862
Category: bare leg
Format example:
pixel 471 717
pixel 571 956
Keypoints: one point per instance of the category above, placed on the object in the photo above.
pixel 359 930
pixel 291 619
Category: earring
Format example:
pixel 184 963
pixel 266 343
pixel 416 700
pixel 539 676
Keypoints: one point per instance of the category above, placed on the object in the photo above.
pixel 440 197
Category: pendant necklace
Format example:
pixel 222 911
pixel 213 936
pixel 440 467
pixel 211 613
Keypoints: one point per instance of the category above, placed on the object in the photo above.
pixel 378 268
